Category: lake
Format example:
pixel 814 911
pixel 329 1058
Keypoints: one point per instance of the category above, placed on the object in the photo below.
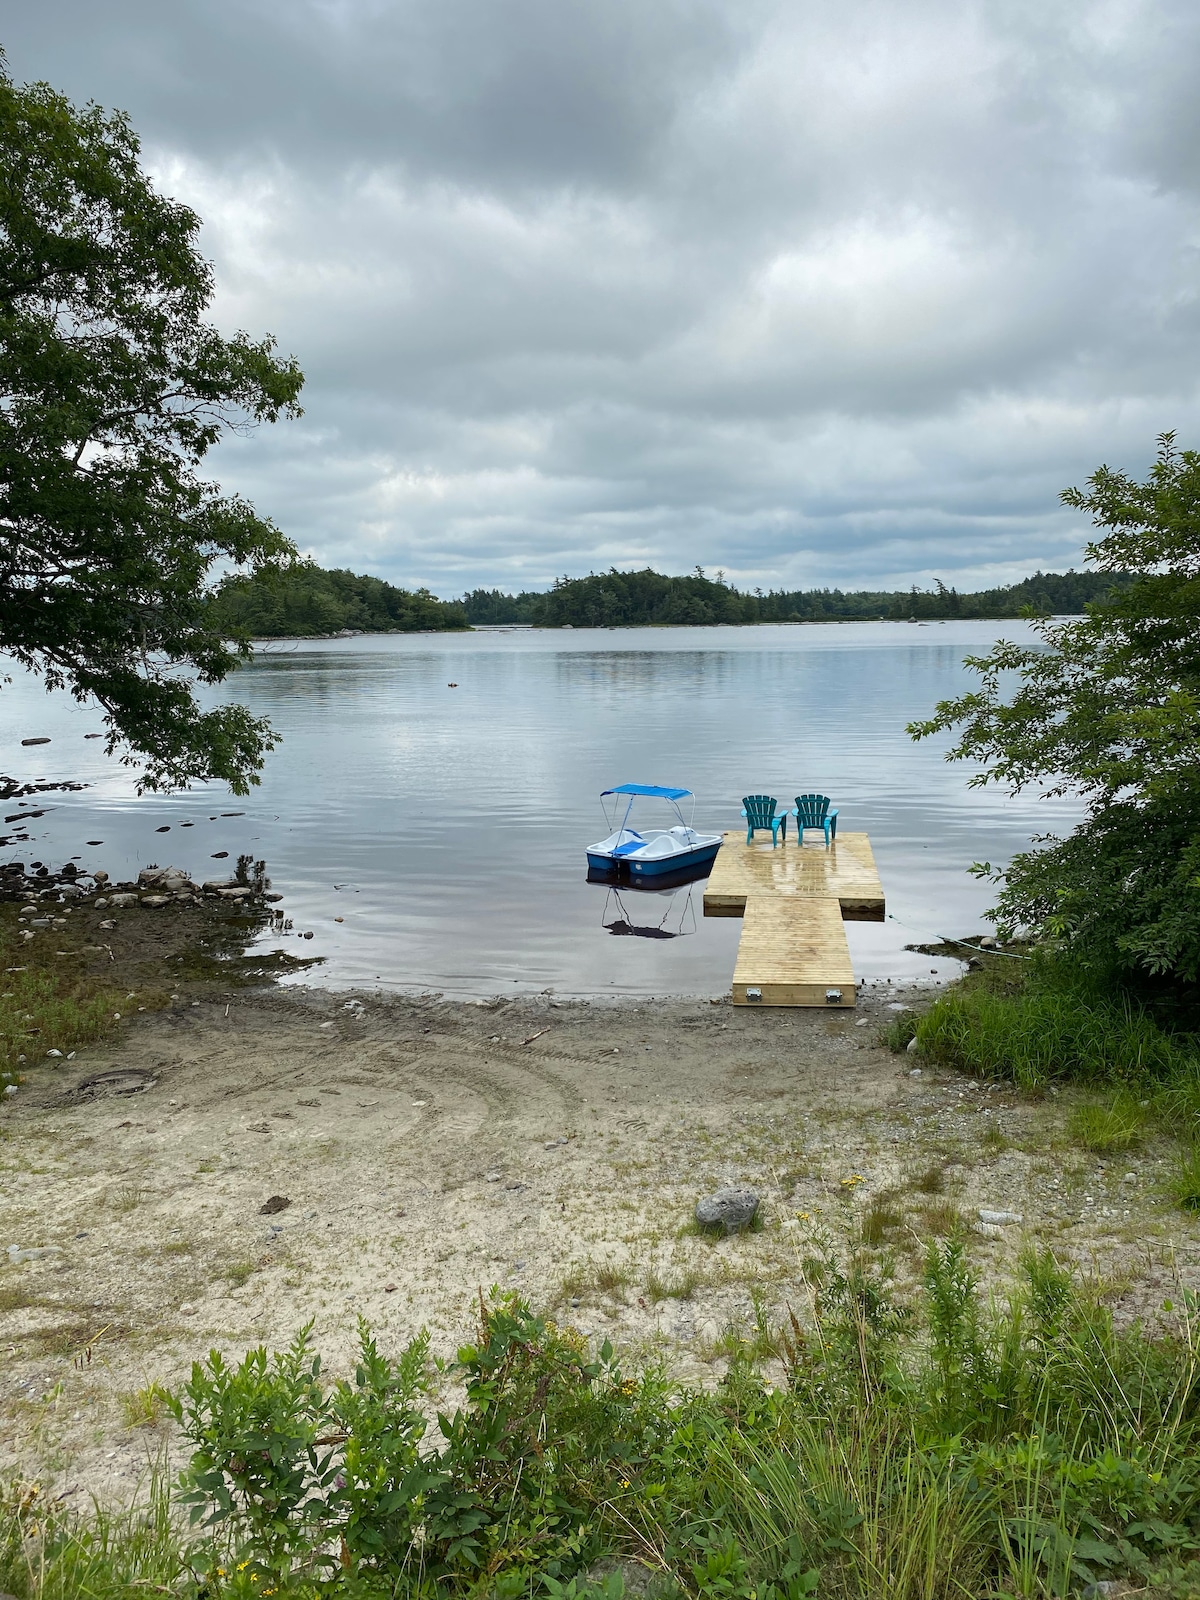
pixel 446 826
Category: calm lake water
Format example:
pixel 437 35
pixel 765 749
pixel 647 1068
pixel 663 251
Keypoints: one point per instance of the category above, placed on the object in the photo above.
pixel 447 826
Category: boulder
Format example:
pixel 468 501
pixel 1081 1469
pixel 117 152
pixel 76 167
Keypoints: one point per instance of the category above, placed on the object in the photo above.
pixel 215 885
pixel 729 1208
pixel 154 900
pixel 238 893
pixel 122 899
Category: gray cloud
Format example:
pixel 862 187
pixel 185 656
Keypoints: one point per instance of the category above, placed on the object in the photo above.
pixel 813 292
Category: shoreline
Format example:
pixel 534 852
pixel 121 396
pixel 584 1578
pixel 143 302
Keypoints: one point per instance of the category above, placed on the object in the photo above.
pixel 429 1149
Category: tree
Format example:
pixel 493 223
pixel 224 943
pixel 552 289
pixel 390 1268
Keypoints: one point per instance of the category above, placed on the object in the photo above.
pixel 1108 708
pixel 112 390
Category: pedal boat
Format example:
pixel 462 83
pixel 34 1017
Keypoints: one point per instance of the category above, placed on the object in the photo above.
pixel 647 856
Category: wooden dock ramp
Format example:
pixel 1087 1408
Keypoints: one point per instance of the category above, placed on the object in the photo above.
pixel 793 900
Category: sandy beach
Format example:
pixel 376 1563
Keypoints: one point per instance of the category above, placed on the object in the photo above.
pixel 429 1150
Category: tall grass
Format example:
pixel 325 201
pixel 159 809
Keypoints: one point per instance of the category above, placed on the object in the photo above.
pixel 1050 1031
pixel 950 1450
pixel 48 1554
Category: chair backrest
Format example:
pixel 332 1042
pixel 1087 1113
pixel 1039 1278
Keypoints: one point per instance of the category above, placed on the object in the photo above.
pixel 811 809
pixel 759 809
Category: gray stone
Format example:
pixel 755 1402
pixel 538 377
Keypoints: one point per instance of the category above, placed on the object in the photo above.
pixel 100 904
pixel 913 1045
pixel 635 1579
pixel 1000 1219
pixel 730 1208
pixel 215 885
pixel 155 900
pixel 122 899
pixel 240 893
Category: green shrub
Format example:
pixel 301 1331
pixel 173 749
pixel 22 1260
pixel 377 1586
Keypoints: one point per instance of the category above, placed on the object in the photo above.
pixel 952 1448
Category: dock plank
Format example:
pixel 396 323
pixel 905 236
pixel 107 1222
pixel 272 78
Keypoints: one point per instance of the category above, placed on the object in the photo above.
pixel 793 952
pixel 846 871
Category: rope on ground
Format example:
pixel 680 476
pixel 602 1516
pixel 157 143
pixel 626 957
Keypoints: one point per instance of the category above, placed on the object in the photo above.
pixel 1011 955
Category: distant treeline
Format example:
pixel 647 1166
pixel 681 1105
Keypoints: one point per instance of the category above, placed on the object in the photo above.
pixel 308 602
pixel 635 599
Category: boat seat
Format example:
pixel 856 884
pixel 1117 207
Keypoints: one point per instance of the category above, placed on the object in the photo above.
pixel 628 846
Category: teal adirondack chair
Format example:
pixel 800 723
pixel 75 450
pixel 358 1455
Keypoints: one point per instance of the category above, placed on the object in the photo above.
pixel 759 812
pixel 812 811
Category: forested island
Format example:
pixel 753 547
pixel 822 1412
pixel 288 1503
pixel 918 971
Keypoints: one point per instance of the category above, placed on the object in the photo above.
pixel 311 602
pixel 307 601
pixel 636 599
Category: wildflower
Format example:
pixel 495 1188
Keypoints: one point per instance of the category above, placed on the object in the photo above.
pixel 242 1565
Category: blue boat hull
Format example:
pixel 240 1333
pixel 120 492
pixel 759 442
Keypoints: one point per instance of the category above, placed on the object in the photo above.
pixel 681 868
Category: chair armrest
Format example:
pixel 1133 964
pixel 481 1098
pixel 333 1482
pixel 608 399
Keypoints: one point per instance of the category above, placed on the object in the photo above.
pixel 832 812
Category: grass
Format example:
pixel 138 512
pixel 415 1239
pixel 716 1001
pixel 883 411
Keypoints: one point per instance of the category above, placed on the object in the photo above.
pixel 591 1279
pixel 951 1448
pixel 1052 1028
pixel 993 1140
pixel 881 1219
pixel 1107 1127
pixel 930 1180
pixel 126 1198
pixel 940 1218
pixel 146 1407
pixel 16 1297
pixel 45 1003
pixel 239 1273
pixel 1043 1025
pixel 1184 1182
pixel 678 1285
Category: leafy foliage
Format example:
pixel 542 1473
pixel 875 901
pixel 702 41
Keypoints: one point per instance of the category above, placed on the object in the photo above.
pixel 112 390
pixel 950 1449
pixel 1109 708
pixel 305 601
pixel 635 599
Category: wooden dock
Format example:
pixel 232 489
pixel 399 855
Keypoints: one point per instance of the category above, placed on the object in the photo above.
pixel 793 900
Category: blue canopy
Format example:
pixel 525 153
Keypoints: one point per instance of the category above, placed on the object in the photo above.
pixel 654 790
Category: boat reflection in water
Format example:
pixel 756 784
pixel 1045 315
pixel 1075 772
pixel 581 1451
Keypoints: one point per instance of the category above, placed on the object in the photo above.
pixel 667 911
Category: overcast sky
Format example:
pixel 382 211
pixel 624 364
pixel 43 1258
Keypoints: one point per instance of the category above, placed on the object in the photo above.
pixel 816 291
